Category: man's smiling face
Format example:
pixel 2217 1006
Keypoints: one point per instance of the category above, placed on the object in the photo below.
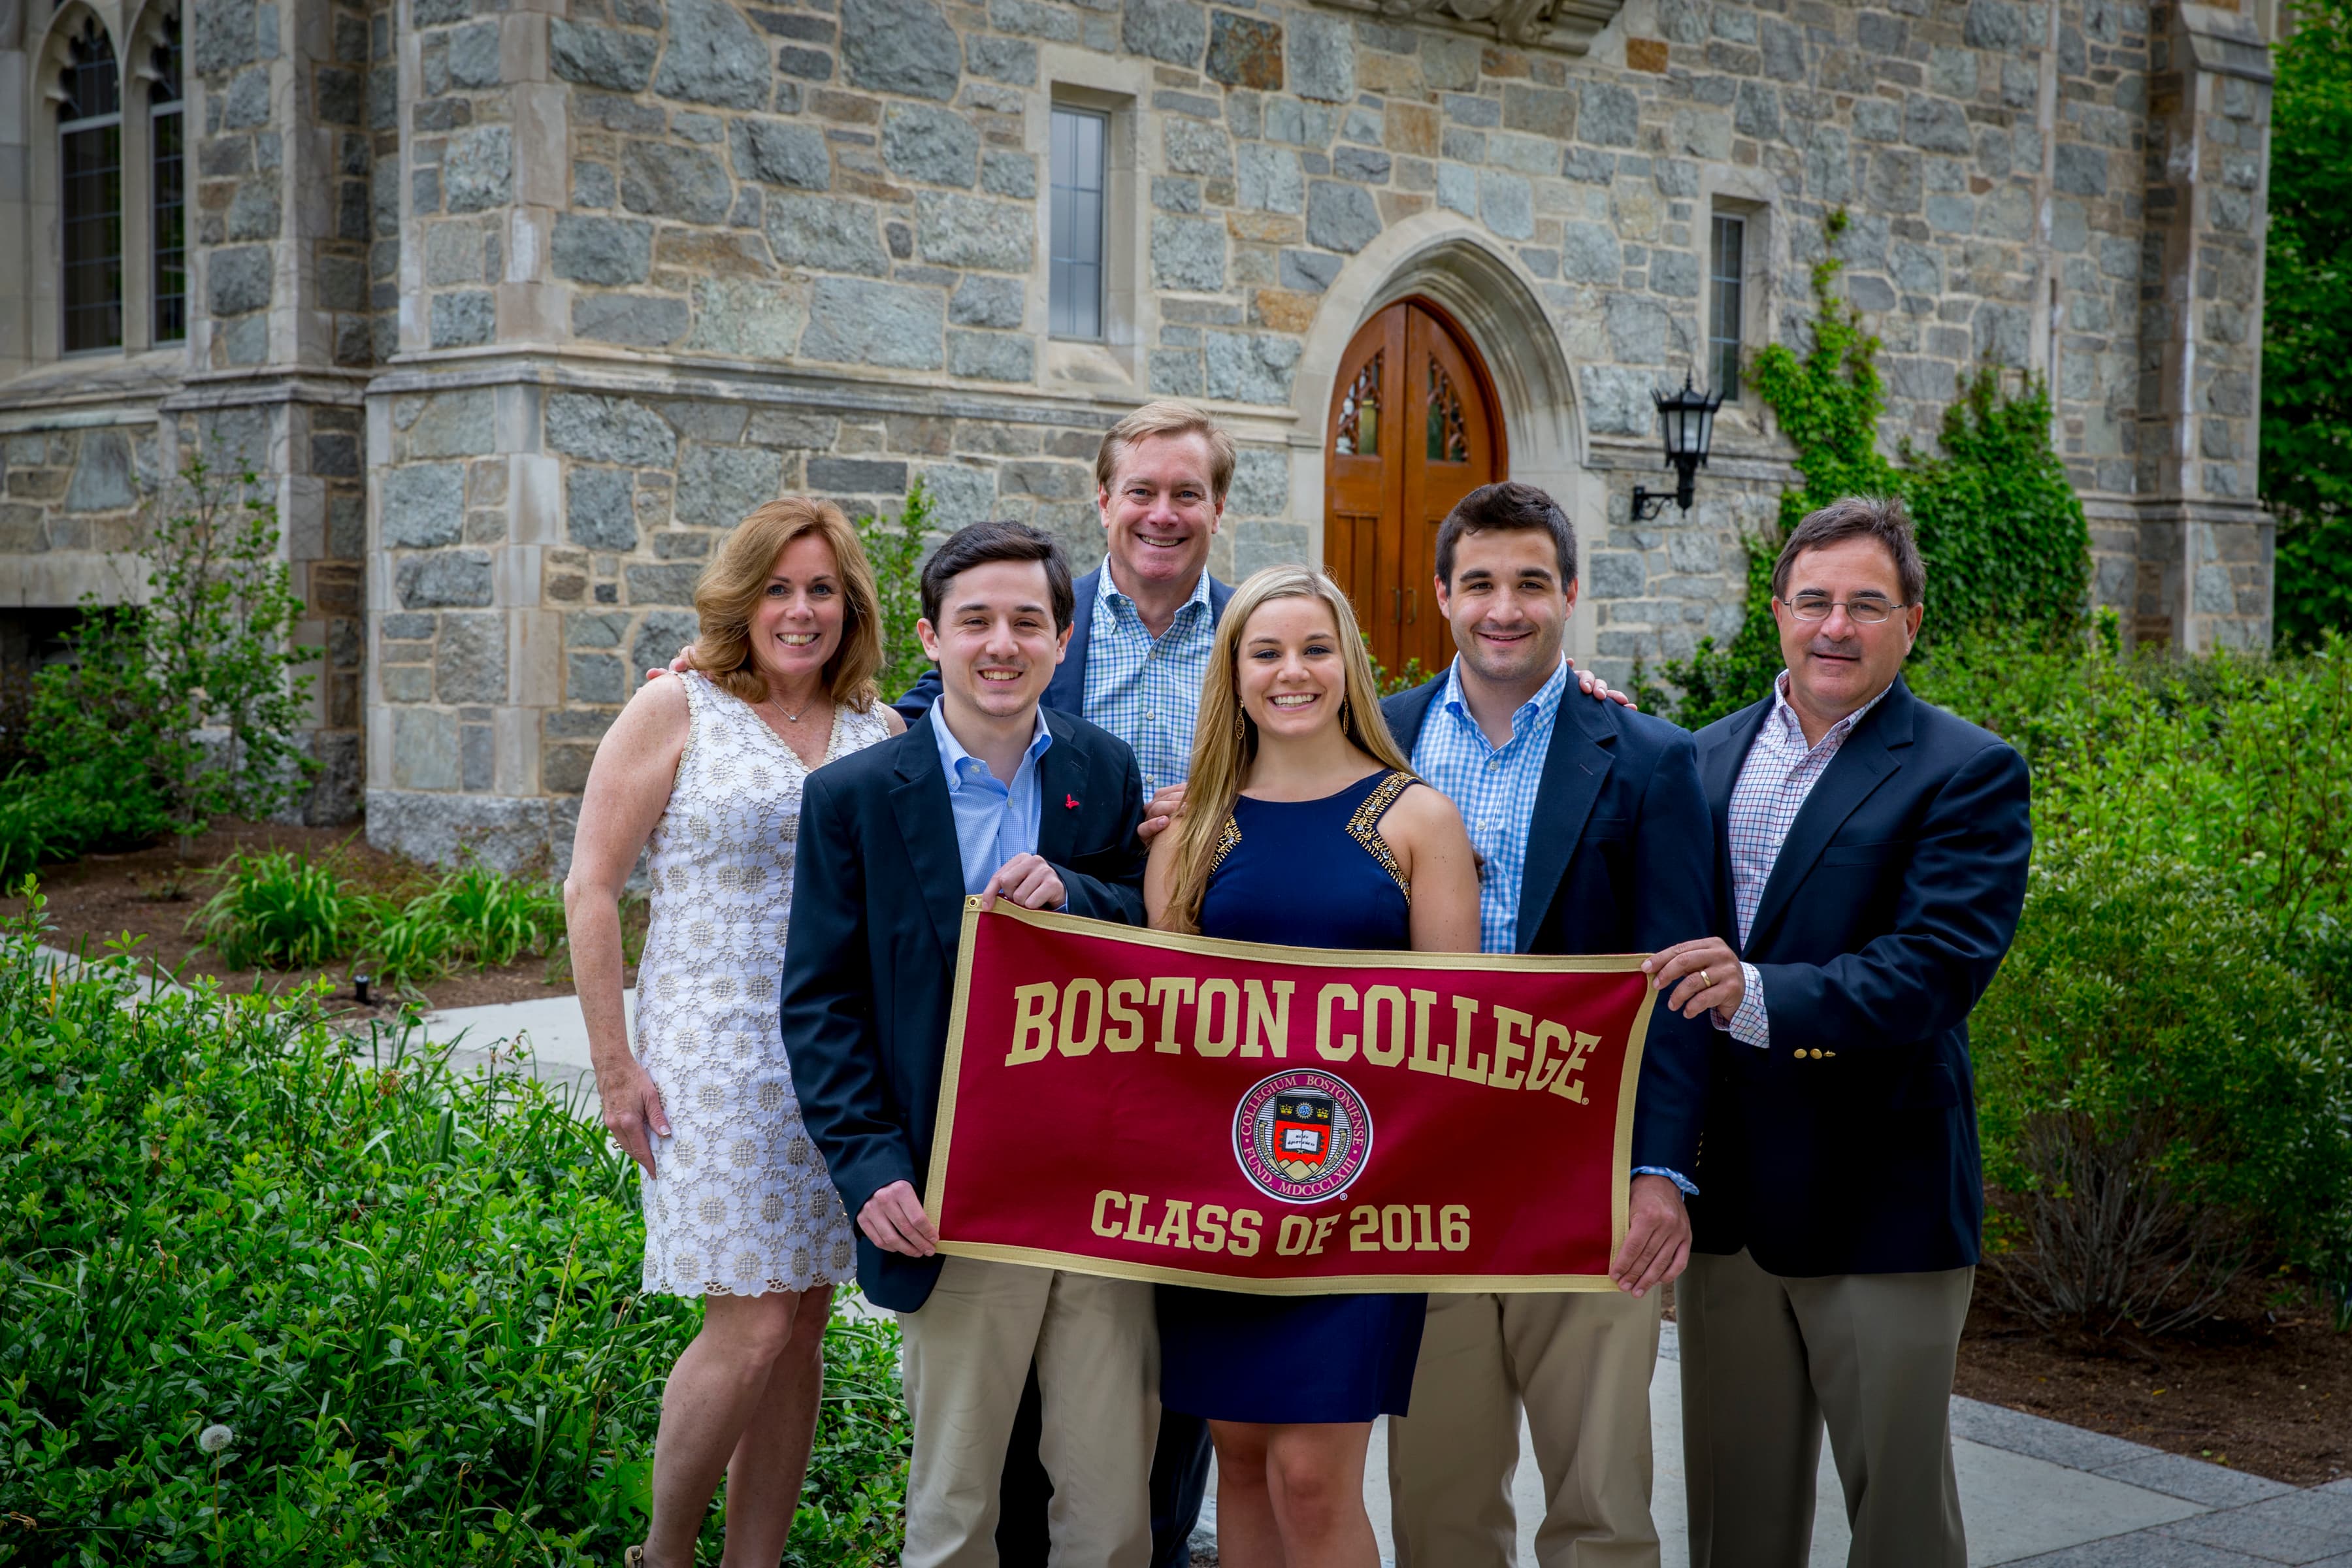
pixel 1160 512
pixel 1508 603
pixel 996 642
pixel 1837 664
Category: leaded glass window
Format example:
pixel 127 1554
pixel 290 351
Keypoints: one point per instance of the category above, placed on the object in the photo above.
pixel 1725 283
pixel 167 171
pixel 1081 142
pixel 89 189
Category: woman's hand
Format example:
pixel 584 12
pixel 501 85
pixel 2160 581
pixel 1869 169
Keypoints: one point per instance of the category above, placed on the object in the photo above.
pixel 632 1109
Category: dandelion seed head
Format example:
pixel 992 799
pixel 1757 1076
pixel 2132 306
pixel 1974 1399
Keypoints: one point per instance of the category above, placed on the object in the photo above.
pixel 214 1438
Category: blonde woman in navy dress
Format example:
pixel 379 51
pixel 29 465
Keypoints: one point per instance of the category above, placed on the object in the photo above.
pixel 1303 825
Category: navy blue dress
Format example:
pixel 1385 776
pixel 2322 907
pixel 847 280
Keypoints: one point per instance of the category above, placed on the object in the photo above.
pixel 1312 873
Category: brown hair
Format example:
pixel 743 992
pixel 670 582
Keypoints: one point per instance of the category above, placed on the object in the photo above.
pixel 1509 507
pixel 1225 737
pixel 729 588
pixel 1166 418
pixel 1856 517
pixel 978 543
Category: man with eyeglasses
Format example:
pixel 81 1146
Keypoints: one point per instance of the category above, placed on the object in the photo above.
pixel 1875 849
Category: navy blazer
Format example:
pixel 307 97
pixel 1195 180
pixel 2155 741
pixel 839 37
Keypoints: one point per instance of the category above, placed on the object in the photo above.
pixel 1066 692
pixel 877 912
pixel 1621 858
pixel 1849 1146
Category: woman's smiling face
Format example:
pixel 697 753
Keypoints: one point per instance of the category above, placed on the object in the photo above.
pixel 1293 674
pixel 796 627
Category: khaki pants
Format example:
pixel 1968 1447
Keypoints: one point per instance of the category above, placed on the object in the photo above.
pixel 966 1355
pixel 1580 1362
pixel 1766 1359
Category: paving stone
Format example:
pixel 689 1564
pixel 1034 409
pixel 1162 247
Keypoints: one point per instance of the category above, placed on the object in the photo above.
pixel 2265 1536
pixel 2000 1428
pixel 2133 1551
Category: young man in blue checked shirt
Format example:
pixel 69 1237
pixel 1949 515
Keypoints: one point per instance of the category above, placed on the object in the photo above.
pixel 1595 837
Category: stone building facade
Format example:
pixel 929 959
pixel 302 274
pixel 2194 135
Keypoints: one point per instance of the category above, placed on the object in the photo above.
pixel 517 305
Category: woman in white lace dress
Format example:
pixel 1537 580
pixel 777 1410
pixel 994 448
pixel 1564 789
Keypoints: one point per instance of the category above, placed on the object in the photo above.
pixel 708 769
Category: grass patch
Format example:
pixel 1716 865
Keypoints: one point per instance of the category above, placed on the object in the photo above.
pixel 411 1296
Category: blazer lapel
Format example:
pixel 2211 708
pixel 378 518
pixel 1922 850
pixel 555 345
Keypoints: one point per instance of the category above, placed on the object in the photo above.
pixel 927 824
pixel 1408 711
pixel 1719 763
pixel 1867 759
pixel 1062 776
pixel 1575 767
pixel 1067 689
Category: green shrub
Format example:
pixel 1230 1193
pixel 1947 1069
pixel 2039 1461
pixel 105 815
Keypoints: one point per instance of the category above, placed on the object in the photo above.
pixel 488 917
pixel 2163 1096
pixel 280 909
pixel 412 1296
pixel 71 811
pixel 894 548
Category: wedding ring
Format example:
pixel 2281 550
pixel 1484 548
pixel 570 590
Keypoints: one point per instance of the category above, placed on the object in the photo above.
pixel 1704 980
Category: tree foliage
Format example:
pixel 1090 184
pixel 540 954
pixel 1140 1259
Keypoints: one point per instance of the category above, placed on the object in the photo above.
pixel 2307 436
pixel 2001 529
pixel 894 548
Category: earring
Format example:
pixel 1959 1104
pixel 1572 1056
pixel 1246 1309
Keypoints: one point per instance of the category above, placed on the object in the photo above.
pixel 1241 726
pixel 1343 715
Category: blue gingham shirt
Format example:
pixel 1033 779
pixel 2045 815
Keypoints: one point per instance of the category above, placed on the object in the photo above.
pixel 1494 788
pixel 1147 690
pixel 1774 784
pixel 994 821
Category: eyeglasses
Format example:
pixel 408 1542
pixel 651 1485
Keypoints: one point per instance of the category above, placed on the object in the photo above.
pixel 1861 612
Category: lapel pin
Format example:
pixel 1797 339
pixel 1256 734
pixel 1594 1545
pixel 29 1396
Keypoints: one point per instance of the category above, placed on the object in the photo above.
pixel 1069 803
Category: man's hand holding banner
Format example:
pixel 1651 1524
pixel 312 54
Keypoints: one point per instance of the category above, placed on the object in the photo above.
pixel 1284 1121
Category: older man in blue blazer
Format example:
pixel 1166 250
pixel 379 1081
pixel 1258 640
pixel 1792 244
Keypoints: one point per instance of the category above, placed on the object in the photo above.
pixel 1594 837
pixel 1873 852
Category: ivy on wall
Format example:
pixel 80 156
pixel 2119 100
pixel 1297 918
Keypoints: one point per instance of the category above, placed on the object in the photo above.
pixel 2002 531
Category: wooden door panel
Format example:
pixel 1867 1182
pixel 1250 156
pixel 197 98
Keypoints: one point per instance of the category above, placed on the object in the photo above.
pixel 1412 428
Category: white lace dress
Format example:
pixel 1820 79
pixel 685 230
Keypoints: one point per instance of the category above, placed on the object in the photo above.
pixel 741 1204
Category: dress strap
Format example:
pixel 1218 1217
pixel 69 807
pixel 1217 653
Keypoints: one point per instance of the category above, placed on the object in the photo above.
pixel 1364 827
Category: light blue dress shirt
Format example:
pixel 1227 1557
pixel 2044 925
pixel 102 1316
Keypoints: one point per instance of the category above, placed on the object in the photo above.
pixel 1146 689
pixel 1494 787
pixel 993 821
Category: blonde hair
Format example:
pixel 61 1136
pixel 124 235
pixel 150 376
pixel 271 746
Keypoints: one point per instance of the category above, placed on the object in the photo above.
pixel 730 587
pixel 1225 737
pixel 1167 416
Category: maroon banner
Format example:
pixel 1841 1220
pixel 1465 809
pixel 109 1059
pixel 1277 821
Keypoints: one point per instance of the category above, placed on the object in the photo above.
pixel 1283 1120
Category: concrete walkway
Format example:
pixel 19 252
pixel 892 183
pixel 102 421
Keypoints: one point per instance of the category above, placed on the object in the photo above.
pixel 2032 1491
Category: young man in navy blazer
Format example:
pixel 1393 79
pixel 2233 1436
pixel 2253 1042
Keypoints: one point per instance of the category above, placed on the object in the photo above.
pixel 1594 837
pixel 1874 851
pixel 987 795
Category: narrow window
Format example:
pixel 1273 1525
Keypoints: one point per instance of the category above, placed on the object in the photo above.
pixel 1724 284
pixel 1081 142
pixel 165 121
pixel 89 145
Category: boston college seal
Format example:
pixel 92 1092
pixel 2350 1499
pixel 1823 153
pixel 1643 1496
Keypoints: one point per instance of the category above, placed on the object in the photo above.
pixel 1302 1136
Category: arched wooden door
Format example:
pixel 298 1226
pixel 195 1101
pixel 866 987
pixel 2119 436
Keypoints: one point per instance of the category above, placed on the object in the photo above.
pixel 1415 426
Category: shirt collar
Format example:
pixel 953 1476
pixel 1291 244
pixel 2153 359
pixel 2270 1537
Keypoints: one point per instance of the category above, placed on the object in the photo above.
pixel 1543 705
pixel 1784 714
pixel 953 757
pixel 1109 592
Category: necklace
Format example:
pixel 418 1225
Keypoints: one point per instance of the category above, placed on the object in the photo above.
pixel 789 718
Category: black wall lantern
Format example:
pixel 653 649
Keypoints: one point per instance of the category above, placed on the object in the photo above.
pixel 1687 419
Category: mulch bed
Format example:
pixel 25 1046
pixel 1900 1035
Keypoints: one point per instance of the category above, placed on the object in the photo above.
pixel 152 893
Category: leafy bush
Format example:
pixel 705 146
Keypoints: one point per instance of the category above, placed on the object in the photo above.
pixel 280 909
pixel 894 548
pixel 490 918
pixel 2001 529
pixel 412 1296
pixel 2160 1092
pixel 71 811
pixel 191 692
